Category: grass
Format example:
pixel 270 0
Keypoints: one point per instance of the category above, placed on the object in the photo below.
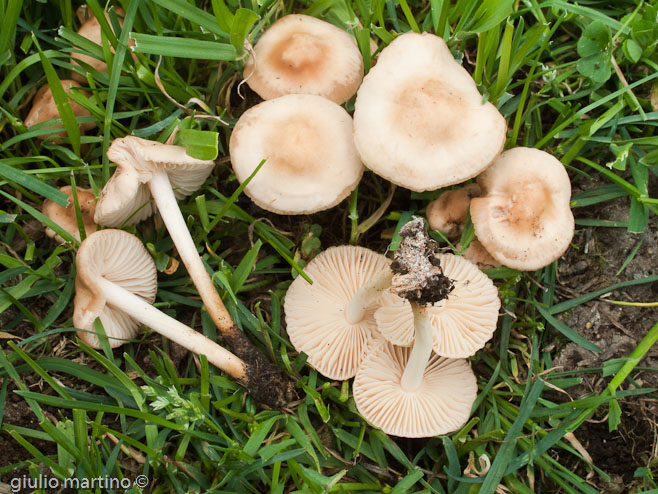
pixel 578 80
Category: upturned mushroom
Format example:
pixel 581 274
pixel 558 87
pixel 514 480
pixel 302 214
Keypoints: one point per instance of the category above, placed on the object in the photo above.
pixel 419 120
pixel 523 218
pixel 116 282
pixel 162 172
pixel 66 217
pixel 311 163
pixel 411 393
pixel 332 320
pixel 45 109
pixel 300 54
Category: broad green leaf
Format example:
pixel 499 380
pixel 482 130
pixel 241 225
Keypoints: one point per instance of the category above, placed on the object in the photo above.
pixel 595 38
pixel 242 22
pixel 632 50
pixel 199 144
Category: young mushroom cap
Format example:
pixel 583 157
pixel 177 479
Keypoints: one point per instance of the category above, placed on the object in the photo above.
pixel 441 404
pixel 300 54
pixel 317 315
pixel 478 255
pixel 45 109
pixel 311 163
pixel 66 218
pixel 448 212
pixel 419 120
pixel 461 324
pixel 523 218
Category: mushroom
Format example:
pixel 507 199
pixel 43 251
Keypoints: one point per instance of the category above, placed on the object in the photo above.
pixel 116 281
pixel 45 109
pixel 448 212
pixel 166 172
pixel 411 393
pixel 478 255
pixel 419 120
pixel 66 217
pixel 300 54
pixel 331 320
pixel 523 218
pixel 311 163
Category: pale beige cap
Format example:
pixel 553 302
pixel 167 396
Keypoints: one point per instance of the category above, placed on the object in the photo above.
pixel 523 218
pixel 478 255
pixel 121 258
pixel 462 323
pixel 419 120
pixel 448 212
pixel 315 314
pixel 441 404
pixel 66 218
pixel 300 54
pixel 125 199
pixel 311 164
pixel 44 109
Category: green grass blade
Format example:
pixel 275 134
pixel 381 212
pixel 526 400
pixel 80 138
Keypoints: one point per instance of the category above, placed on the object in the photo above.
pixel 182 47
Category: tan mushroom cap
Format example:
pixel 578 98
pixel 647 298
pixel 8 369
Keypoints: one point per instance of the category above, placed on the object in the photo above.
pixel 126 197
pixel 442 403
pixel 44 109
pixel 448 212
pixel 66 217
pixel 315 314
pixel 419 120
pixel 478 255
pixel 462 323
pixel 523 218
pixel 300 54
pixel 311 164
pixel 121 258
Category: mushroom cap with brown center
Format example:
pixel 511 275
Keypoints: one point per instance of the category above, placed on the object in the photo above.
pixel 44 109
pixel 125 199
pixel 121 258
pixel 66 218
pixel 442 403
pixel 419 120
pixel 448 212
pixel 462 323
pixel 315 314
pixel 311 163
pixel 300 54
pixel 523 218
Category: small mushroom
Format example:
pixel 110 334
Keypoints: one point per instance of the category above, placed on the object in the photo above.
pixel 300 54
pixel 311 163
pixel 410 392
pixel 66 217
pixel 478 255
pixel 448 212
pixel 419 120
pixel 116 281
pixel 523 218
pixel 44 109
pixel 332 319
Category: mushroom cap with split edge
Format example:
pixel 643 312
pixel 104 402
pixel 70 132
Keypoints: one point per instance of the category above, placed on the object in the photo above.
pixel 300 54
pixel 310 160
pixel 523 218
pixel 122 259
pixel 126 198
pixel 419 119
pixel 316 314
pixel 66 218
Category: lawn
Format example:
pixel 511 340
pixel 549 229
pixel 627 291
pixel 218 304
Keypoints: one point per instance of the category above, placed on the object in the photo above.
pixel 567 387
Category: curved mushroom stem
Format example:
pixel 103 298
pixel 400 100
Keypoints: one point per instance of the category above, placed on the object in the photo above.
pixel 169 327
pixel 413 374
pixel 367 294
pixel 164 198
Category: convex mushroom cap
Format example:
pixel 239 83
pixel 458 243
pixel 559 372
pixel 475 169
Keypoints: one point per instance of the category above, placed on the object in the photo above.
pixel 318 316
pixel 66 217
pixel 419 120
pixel 300 54
pixel 523 218
pixel 311 163
pixel 448 212
pixel 44 109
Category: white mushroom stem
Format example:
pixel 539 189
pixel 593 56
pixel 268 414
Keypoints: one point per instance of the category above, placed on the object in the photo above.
pixel 164 198
pixel 412 378
pixel 366 295
pixel 131 304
